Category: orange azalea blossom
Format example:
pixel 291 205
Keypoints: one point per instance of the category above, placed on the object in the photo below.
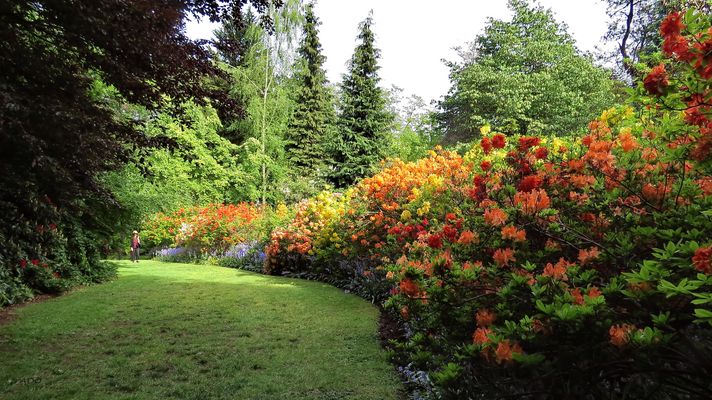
pixel 495 216
pixel 409 288
pixel 594 292
pixel 485 317
pixel 505 350
pixel 586 256
pixel 511 232
pixel 467 237
pixel 558 270
pixel 620 334
pixel 552 245
pixel 578 297
pixel 503 256
pixel 627 141
pixel 481 336
pixel 582 181
pixel 532 202
pixel 405 312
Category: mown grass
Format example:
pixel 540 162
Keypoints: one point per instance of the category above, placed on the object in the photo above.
pixel 196 332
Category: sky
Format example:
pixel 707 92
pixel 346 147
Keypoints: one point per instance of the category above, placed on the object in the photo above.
pixel 414 36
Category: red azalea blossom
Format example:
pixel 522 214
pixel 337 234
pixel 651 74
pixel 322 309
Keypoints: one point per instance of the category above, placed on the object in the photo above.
pixel 485 165
pixel 529 183
pixel 486 145
pixel 527 142
pixel 672 25
pixel 409 288
pixel 702 260
pixel 435 241
pixel 23 263
pixel 35 261
pixel 541 153
pixel 657 80
pixel 498 141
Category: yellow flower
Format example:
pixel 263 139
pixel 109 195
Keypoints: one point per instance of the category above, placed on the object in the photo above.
pixel 485 129
pixel 405 215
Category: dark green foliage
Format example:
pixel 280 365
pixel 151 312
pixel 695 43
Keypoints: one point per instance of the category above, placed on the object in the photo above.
pixel 312 121
pixel 363 120
pixel 523 77
pixel 56 137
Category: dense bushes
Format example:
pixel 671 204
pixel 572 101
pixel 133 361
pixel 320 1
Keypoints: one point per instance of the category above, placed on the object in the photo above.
pixel 45 250
pixel 536 267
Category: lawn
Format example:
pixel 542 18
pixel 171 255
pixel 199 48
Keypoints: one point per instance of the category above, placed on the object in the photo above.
pixel 196 332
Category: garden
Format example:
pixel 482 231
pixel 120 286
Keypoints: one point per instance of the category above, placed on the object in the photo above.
pixel 496 254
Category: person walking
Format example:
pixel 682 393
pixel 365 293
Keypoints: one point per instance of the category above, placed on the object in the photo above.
pixel 135 247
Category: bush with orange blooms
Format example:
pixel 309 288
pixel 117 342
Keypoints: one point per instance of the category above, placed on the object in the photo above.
pixel 549 267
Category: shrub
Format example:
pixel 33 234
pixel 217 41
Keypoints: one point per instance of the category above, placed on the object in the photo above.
pixel 534 266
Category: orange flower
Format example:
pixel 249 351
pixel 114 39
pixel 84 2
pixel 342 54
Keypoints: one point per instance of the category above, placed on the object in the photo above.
pixel 511 232
pixel 594 292
pixel 558 270
pixel 532 202
pixel 467 237
pixel 481 336
pixel 627 141
pixel 620 334
pixel 503 256
pixel 495 216
pixel 586 256
pixel 578 297
pixel 505 350
pixel 409 288
pixel 485 317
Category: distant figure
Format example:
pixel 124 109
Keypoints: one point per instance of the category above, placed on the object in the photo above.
pixel 135 247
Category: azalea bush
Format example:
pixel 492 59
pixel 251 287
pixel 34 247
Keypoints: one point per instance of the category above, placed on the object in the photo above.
pixel 534 266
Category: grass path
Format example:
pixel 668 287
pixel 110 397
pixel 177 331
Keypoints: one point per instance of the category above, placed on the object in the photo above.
pixel 195 332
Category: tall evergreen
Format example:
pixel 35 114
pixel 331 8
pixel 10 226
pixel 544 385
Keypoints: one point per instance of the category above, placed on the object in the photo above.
pixel 313 118
pixel 363 121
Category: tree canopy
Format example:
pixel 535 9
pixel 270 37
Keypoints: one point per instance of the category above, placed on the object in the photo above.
pixel 523 76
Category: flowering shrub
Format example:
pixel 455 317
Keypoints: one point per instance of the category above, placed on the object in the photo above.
pixel 540 266
pixel 249 256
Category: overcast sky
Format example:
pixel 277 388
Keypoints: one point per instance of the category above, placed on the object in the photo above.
pixel 415 35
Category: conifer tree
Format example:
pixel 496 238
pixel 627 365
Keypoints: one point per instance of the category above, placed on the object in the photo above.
pixel 313 118
pixel 363 121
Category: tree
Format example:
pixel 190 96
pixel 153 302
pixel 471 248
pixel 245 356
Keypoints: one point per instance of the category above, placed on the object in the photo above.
pixel 633 26
pixel 312 122
pixel 56 136
pixel 524 76
pixel 363 121
pixel 261 80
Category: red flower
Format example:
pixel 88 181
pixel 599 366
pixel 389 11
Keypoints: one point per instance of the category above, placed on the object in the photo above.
pixel 541 153
pixel 702 260
pixel 529 183
pixel 486 145
pixel 498 141
pixel 485 165
pixel 527 142
pixel 435 241
pixel 23 263
pixel 35 261
pixel 657 80
pixel 672 25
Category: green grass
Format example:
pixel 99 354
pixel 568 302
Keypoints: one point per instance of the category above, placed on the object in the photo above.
pixel 196 332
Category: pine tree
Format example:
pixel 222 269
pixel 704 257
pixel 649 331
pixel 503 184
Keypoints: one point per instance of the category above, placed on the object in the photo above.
pixel 313 119
pixel 363 121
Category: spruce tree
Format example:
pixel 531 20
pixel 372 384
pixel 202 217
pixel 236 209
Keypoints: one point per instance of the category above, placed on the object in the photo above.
pixel 363 121
pixel 313 118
